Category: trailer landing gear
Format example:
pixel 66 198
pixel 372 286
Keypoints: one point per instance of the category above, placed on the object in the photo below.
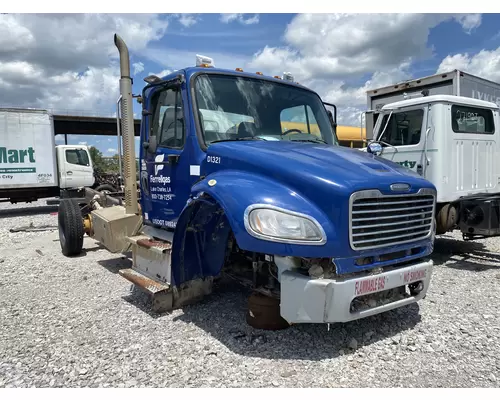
pixel 264 313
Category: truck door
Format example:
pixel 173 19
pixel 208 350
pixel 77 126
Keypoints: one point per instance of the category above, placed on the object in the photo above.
pixel 404 138
pixel 166 184
pixel 75 167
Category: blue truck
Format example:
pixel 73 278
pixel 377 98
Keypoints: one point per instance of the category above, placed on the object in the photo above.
pixel 319 233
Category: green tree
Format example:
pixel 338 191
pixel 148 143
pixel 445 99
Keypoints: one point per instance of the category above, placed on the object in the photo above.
pixel 97 159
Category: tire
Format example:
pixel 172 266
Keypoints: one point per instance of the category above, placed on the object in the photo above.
pixel 264 313
pixel 71 229
pixel 106 188
pixel 445 218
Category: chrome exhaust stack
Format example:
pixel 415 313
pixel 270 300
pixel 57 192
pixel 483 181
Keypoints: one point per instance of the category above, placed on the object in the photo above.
pixel 128 133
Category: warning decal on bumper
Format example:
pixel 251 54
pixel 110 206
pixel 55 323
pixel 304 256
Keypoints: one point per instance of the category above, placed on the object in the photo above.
pixel 369 285
pixel 412 276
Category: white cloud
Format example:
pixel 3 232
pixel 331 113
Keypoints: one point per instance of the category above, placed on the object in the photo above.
pixel 333 45
pixel 11 27
pixel 188 20
pixel 228 18
pixel 82 143
pixel 469 21
pixel 138 67
pixel 332 53
pixel 111 150
pixel 485 64
pixel 250 21
pixel 51 61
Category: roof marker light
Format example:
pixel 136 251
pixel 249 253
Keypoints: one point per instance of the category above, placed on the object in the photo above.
pixel 151 79
pixel 277 77
pixel 259 73
pixel 203 61
pixel 239 69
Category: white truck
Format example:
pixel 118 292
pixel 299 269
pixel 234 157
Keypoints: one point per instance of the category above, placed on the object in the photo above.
pixel 32 166
pixel 452 141
pixel 455 82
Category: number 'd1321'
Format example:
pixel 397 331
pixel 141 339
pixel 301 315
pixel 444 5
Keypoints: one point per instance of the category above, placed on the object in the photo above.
pixel 213 159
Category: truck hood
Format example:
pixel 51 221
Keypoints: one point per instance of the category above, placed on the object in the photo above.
pixel 304 166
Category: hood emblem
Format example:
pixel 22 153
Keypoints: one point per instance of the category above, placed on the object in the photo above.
pixel 400 187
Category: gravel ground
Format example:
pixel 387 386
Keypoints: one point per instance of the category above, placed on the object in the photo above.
pixel 75 323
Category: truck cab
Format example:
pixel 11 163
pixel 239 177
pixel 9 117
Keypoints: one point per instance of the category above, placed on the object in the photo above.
pixel 74 166
pixel 319 233
pixel 453 142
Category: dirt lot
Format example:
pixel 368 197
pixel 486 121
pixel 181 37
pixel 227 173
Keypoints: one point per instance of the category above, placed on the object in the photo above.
pixel 74 322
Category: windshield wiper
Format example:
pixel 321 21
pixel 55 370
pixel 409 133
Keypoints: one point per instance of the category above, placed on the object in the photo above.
pixel 315 140
pixel 238 139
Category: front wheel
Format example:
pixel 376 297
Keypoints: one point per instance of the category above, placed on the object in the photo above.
pixel 71 228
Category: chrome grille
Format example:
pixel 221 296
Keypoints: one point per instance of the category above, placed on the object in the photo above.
pixel 377 220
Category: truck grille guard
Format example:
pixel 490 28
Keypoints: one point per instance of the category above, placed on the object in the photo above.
pixel 377 220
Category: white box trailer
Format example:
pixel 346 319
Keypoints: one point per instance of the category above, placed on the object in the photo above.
pixel 455 83
pixel 31 165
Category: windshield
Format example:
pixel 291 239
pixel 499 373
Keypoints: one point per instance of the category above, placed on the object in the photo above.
pixel 238 108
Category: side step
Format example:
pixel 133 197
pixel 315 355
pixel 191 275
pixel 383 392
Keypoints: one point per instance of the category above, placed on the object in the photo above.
pixel 152 273
pixel 151 258
pixel 161 295
pixel 151 270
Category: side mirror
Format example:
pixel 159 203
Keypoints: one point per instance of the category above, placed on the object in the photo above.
pixel 374 148
pixel 332 115
pixel 332 121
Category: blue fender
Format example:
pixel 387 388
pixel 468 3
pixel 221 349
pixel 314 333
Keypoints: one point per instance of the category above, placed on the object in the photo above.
pixel 234 191
pixel 200 241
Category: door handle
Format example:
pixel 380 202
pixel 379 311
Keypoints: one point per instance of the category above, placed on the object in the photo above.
pixel 69 172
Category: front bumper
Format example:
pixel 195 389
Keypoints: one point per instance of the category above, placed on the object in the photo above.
pixel 307 300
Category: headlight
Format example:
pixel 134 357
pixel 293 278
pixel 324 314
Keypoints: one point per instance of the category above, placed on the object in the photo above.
pixel 275 224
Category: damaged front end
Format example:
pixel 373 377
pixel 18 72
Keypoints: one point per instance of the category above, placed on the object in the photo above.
pixel 312 291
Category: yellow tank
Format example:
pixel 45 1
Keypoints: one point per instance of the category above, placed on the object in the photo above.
pixel 349 136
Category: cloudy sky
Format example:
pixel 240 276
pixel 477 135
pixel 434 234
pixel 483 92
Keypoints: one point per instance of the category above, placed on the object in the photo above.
pixel 69 62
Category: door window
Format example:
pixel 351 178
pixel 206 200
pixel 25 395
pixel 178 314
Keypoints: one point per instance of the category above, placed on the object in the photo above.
pixel 168 120
pixel 404 128
pixel 77 157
